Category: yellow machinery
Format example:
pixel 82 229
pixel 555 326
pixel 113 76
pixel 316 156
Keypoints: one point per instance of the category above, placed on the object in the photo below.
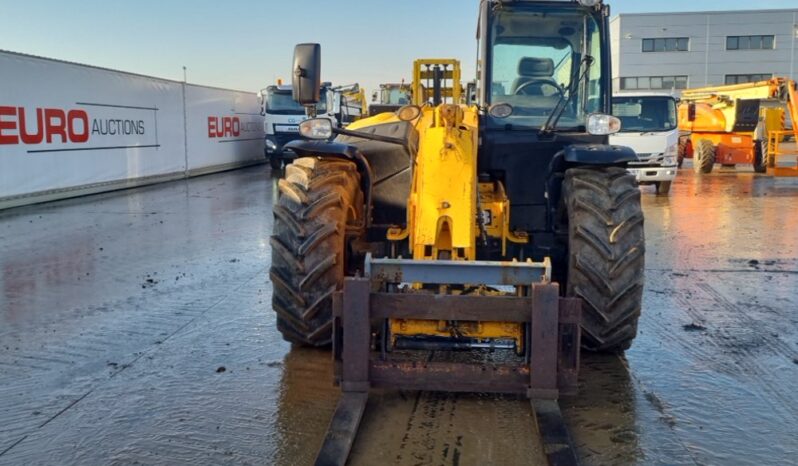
pixel 441 210
pixel 354 99
pixel 776 140
pixel 510 224
pixel 730 124
pixel 390 97
pixel 436 81
pixel 351 100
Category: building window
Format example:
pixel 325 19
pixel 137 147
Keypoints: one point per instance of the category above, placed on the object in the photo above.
pixel 750 42
pixel 747 78
pixel 667 44
pixel 654 82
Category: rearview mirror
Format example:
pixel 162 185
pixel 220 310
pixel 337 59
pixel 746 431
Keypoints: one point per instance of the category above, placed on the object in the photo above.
pixel 306 75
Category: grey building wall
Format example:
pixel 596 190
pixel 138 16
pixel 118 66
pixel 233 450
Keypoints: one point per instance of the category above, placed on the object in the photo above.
pixel 707 62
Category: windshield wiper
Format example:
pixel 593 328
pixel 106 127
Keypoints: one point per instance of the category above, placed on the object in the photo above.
pixel 554 116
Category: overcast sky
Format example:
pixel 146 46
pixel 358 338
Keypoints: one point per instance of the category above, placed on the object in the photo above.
pixel 247 44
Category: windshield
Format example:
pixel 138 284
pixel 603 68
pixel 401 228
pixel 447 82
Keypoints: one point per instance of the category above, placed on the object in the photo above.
pixel 394 96
pixel 645 114
pixel 536 56
pixel 280 102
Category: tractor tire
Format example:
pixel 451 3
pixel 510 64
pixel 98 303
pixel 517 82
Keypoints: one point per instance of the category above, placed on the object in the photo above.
pixel 318 199
pixel 663 187
pixel 704 157
pixel 606 254
pixel 761 156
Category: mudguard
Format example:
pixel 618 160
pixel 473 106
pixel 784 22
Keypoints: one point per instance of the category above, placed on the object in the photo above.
pixel 305 148
pixel 598 154
pixel 385 167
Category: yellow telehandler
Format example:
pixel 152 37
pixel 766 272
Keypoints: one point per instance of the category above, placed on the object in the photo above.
pixel 509 226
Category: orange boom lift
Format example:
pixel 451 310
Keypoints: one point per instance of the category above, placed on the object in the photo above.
pixel 730 125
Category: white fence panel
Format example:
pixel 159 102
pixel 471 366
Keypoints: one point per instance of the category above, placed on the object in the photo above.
pixel 68 129
pixel 64 125
pixel 224 127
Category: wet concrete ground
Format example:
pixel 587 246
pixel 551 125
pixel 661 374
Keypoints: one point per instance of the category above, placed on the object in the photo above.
pixel 135 328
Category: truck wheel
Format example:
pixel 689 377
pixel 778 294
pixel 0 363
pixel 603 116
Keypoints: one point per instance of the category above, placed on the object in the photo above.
pixel 761 156
pixel 275 161
pixel 318 199
pixel 704 157
pixel 663 187
pixel 606 254
pixel 681 152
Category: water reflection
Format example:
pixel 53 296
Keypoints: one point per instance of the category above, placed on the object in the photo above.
pixel 305 405
pixel 602 417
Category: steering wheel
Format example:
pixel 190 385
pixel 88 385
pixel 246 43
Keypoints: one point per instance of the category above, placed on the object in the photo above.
pixel 540 84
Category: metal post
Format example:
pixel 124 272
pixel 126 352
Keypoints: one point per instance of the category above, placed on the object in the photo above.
pixel 544 330
pixel 185 127
pixel 569 345
pixel 355 385
pixel 357 335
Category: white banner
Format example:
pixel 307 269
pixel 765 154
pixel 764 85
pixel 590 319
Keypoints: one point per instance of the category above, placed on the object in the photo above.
pixel 65 126
pixel 223 127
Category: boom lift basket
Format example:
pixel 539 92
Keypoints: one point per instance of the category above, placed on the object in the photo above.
pixel 774 147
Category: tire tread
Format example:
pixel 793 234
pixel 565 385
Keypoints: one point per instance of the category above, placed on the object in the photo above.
pixel 607 254
pixel 318 198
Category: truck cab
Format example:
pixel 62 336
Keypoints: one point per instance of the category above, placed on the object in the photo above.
pixel 649 126
pixel 282 116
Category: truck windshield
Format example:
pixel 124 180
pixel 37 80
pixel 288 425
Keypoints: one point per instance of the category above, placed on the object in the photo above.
pixel 535 57
pixel 282 103
pixel 394 96
pixel 645 113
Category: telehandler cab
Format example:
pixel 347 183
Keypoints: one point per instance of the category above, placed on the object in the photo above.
pixel 507 225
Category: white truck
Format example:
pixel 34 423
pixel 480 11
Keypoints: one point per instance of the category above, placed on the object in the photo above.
pixel 649 126
pixel 282 115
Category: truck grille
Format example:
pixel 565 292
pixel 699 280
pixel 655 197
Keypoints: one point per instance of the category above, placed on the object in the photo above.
pixel 647 160
pixel 284 138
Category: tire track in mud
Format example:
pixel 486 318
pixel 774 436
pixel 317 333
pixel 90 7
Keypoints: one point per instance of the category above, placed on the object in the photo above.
pixel 725 338
pixel 429 431
pixel 729 339
pixel 446 428
pixel 776 345
pixel 32 383
pixel 441 428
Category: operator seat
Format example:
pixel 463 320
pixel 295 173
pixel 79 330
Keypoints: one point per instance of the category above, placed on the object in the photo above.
pixel 534 69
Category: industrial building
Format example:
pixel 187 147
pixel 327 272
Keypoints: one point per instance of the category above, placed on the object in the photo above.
pixel 673 51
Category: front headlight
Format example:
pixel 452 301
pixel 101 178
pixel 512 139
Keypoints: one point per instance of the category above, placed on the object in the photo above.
pixel 669 160
pixel 271 145
pixel 672 150
pixel 316 128
pixel 601 124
